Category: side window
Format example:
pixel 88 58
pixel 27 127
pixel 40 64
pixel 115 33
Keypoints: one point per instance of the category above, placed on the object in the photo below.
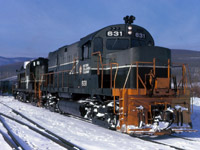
pixel 85 51
pixel 98 44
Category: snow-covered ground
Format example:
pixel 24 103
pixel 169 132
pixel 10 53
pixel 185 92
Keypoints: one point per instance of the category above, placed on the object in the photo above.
pixel 84 134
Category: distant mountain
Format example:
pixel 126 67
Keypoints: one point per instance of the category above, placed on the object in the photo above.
pixel 8 66
pixel 10 70
pixel 192 58
pixel 6 61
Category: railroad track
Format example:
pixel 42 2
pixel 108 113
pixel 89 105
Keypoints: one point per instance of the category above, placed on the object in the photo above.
pixel 42 131
pixel 174 136
pixel 13 140
pixel 8 140
pixel 147 138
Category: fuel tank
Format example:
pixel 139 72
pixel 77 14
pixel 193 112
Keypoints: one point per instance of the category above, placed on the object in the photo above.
pixel 70 107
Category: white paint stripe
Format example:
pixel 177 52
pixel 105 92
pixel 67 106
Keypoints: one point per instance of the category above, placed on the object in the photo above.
pixel 68 63
pixel 63 64
pixel 52 67
pixel 128 66
pixel 27 81
pixel 120 67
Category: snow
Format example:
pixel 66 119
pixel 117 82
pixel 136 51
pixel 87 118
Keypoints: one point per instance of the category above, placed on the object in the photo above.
pixel 3 144
pixel 178 107
pixel 84 134
pixel 140 107
pixel 162 125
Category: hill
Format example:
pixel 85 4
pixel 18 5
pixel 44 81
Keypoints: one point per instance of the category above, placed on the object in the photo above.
pixel 187 57
pixel 10 70
pixel 192 58
pixel 8 66
pixel 7 61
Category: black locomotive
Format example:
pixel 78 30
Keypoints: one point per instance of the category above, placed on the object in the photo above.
pixel 116 77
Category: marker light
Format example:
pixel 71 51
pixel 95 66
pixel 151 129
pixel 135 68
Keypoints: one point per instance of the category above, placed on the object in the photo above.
pixel 130 27
pixel 129 32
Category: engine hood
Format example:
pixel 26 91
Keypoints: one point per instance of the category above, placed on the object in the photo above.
pixel 141 54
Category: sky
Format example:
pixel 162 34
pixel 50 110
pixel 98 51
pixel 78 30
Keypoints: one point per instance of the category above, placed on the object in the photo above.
pixel 33 28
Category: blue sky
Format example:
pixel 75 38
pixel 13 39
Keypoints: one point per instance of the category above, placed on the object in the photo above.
pixel 33 28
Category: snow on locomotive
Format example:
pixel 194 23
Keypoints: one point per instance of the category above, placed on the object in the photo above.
pixel 115 77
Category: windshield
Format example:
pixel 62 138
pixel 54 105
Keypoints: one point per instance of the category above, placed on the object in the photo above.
pixel 117 44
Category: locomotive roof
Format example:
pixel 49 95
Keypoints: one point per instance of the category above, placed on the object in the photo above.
pixel 87 38
pixel 90 36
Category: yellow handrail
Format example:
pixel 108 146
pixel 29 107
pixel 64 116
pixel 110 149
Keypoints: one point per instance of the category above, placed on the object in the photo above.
pixel 100 59
pixel 114 98
pixel 137 63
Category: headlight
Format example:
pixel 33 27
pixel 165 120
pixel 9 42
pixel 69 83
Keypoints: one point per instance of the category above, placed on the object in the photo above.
pixel 130 27
pixel 129 32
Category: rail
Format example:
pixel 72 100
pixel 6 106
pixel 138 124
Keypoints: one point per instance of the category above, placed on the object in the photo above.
pixel 111 80
pixel 13 141
pixel 99 60
pixel 51 75
pixel 43 131
pixel 102 69
pixel 111 64
pixel 183 81
pixel 138 78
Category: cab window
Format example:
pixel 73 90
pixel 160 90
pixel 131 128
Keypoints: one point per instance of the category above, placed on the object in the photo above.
pixel 98 44
pixel 85 51
pixel 117 44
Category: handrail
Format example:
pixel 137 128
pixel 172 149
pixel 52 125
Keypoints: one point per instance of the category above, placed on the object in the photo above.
pixel 154 66
pixel 168 69
pixel 51 73
pixel 115 72
pixel 183 79
pixel 142 82
pixel 64 71
pixel 102 68
pixel 137 63
pixel 110 73
pixel 127 76
pixel 114 98
pixel 100 59
pixel 191 86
